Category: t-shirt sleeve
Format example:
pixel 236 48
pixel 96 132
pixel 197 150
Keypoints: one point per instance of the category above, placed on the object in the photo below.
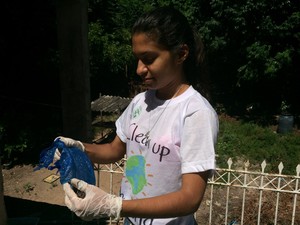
pixel 121 123
pixel 119 130
pixel 198 141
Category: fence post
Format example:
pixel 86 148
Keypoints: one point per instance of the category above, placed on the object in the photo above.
pixel 280 168
pixel 229 162
pixel 263 166
pixel 295 196
pixel 247 164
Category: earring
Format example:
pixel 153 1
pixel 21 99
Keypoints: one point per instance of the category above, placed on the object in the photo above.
pixel 183 53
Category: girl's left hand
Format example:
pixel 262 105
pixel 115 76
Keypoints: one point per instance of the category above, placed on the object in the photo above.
pixel 95 204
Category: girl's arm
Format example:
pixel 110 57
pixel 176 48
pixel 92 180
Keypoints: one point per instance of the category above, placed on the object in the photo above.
pixel 183 202
pixel 106 153
pixel 97 203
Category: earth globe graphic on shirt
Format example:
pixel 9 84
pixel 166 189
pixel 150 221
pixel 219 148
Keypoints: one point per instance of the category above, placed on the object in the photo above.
pixel 135 173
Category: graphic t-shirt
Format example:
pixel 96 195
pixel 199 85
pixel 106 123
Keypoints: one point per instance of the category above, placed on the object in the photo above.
pixel 165 139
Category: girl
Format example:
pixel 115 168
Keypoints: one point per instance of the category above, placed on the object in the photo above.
pixel 167 133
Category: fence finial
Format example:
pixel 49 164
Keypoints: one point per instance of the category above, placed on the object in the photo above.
pixel 247 164
pixel 229 162
pixel 263 166
pixel 280 167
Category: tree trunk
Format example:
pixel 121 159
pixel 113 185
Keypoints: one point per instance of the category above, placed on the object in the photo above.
pixel 3 218
pixel 72 28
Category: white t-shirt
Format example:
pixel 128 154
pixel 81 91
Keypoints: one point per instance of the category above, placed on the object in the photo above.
pixel 182 135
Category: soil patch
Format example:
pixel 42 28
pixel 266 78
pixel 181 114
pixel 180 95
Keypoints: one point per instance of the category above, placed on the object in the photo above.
pixel 22 181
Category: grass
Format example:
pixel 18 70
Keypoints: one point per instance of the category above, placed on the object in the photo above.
pixel 248 141
pixel 28 187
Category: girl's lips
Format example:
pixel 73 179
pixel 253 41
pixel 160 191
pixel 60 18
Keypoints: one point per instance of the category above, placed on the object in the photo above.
pixel 148 79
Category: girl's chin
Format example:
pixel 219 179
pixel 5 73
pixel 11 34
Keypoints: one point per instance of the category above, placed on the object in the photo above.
pixel 150 87
pixel 149 84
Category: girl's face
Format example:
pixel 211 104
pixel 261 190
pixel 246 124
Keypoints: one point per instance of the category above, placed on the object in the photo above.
pixel 159 68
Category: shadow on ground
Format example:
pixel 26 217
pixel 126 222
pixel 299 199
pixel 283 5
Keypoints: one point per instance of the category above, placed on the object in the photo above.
pixel 27 212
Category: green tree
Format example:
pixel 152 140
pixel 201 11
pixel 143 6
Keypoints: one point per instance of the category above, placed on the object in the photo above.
pixel 111 56
pixel 110 46
pixel 252 44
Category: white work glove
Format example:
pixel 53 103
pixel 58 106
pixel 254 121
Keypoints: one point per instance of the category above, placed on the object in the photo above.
pixel 95 204
pixel 69 142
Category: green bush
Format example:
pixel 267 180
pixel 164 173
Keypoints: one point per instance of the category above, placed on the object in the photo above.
pixel 249 141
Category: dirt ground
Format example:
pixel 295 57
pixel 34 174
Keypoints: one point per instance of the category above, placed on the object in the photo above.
pixel 22 181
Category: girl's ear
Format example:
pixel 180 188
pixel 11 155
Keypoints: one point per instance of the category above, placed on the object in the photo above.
pixel 183 53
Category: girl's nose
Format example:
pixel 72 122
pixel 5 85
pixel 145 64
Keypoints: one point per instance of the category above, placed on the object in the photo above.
pixel 141 68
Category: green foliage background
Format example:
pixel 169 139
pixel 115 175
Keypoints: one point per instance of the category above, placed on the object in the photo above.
pixel 252 49
pixel 248 141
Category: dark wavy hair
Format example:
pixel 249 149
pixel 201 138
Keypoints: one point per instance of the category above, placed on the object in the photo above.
pixel 171 29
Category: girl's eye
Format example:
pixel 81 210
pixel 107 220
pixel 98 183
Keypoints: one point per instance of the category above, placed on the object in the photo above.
pixel 148 60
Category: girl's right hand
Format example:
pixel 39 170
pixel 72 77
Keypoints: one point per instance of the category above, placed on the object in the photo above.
pixel 69 142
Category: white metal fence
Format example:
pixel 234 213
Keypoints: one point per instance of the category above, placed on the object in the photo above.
pixel 253 197
pixel 235 196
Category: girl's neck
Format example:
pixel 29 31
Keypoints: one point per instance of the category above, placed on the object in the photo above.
pixel 171 92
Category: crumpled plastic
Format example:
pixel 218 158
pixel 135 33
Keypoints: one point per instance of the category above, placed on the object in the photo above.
pixel 73 163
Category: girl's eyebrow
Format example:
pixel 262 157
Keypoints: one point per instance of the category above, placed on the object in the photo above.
pixel 145 53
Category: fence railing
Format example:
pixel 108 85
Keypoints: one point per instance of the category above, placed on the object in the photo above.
pixel 253 197
pixel 234 196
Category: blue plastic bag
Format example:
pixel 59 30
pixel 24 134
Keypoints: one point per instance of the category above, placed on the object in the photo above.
pixel 73 163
